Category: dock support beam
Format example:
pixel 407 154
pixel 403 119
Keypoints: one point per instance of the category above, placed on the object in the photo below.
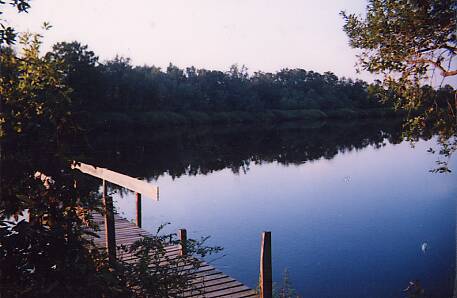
pixel 138 210
pixel 182 233
pixel 266 280
pixel 110 235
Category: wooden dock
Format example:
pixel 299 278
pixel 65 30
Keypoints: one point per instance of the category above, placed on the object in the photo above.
pixel 206 281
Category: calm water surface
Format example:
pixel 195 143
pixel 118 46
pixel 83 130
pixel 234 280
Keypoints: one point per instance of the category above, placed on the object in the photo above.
pixel 346 224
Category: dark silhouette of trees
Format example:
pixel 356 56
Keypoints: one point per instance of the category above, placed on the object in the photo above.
pixel 81 72
pixel 116 93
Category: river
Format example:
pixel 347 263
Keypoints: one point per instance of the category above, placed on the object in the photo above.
pixel 350 205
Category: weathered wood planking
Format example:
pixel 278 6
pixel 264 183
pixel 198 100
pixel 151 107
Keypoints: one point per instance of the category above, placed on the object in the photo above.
pixel 128 182
pixel 206 281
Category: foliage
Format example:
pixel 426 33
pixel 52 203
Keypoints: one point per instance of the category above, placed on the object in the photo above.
pixel 115 94
pixel 34 96
pixel 48 255
pixel 150 97
pixel 79 66
pixel 7 33
pixel 117 86
pixel 34 106
pixel 157 273
pixel 405 37
pixel 412 44
pixel 285 289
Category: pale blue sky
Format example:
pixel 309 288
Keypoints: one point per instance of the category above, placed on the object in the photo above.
pixel 262 34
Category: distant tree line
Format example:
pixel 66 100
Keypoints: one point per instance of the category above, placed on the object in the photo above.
pixel 125 87
pixel 120 93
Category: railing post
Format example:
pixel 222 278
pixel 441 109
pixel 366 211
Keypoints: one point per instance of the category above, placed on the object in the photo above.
pixel 32 217
pixel 182 233
pixel 110 234
pixel 138 210
pixel 266 281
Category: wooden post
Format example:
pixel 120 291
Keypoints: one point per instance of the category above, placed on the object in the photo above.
pixel 32 218
pixel 110 233
pixel 266 282
pixel 183 239
pixel 138 209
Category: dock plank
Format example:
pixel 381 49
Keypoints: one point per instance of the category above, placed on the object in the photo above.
pixel 205 281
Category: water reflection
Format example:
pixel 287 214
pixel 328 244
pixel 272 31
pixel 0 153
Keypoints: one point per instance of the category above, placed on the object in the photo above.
pixel 202 150
pixel 349 204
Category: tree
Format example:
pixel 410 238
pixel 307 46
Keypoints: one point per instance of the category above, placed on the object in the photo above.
pixel 412 43
pixel 34 96
pixel 81 73
pixel 48 254
pixel 404 36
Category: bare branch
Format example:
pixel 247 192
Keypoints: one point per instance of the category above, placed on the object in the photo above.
pixel 444 46
pixel 444 72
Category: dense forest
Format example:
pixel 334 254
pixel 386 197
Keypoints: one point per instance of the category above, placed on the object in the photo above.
pixel 116 94
pixel 122 94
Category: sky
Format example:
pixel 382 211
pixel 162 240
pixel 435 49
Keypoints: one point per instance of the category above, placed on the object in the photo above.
pixel 264 35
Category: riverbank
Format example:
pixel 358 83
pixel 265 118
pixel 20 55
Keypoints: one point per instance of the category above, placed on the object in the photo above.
pixel 155 119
